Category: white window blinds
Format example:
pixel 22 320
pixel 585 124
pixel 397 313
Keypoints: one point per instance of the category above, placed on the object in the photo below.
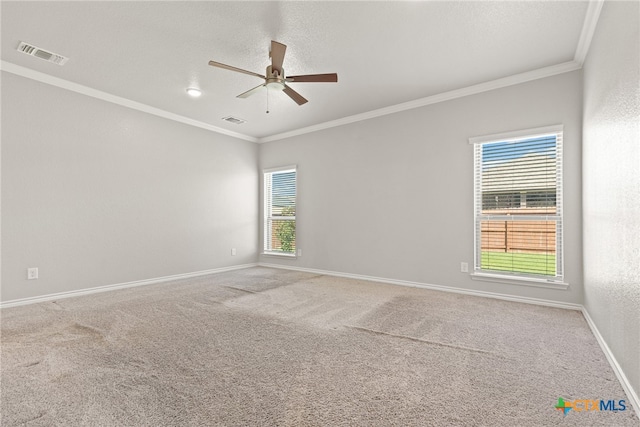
pixel 280 211
pixel 518 205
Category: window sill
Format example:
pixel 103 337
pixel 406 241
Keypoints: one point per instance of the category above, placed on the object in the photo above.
pixel 279 254
pixel 521 281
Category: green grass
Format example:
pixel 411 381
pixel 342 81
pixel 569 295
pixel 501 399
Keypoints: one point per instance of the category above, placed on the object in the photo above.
pixel 544 264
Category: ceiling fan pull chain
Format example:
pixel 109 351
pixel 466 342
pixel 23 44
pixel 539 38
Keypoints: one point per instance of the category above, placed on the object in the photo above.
pixel 267 100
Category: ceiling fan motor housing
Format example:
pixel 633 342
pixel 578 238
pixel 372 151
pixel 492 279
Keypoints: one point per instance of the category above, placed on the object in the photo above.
pixel 274 80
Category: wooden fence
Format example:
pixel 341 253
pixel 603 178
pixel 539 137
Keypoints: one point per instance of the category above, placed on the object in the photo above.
pixel 519 236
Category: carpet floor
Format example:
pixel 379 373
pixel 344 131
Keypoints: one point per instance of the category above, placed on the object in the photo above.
pixel 268 347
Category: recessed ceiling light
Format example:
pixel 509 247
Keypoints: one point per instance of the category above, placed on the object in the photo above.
pixel 192 91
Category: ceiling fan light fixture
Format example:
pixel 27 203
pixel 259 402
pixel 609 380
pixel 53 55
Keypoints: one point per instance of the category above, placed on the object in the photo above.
pixel 275 86
pixel 194 92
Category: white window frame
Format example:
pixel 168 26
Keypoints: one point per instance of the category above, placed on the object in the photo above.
pixel 554 282
pixel 267 217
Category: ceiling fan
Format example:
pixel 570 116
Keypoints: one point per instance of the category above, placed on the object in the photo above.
pixel 275 78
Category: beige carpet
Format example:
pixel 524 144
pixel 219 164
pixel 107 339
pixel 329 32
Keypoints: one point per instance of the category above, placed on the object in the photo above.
pixel 263 347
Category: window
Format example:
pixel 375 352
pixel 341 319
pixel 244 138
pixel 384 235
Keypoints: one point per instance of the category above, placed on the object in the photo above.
pixel 518 204
pixel 280 211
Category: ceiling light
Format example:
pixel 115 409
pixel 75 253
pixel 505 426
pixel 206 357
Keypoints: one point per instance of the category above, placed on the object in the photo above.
pixel 275 85
pixel 193 92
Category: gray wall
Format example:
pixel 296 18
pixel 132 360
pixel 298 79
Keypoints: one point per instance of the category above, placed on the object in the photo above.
pixel 611 183
pixel 97 194
pixel 392 197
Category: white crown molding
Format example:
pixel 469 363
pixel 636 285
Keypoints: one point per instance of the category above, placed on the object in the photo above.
pixel 515 79
pixel 588 29
pixel 624 381
pixel 494 295
pixel 94 93
pixel 98 289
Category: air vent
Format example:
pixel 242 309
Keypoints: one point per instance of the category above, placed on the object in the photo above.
pixel 234 120
pixel 42 54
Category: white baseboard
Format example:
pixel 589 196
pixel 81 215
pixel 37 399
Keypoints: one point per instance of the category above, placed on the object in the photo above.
pixel 526 300
pixel 106 288
pixel 624 381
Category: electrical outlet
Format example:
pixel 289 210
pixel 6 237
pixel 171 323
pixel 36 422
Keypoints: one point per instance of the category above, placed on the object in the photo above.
pixel 299 252
pixel 32 273
pixel 464 267
pixel 233 251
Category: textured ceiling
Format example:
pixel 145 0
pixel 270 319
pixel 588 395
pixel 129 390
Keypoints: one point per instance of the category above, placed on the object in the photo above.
pixel 385 53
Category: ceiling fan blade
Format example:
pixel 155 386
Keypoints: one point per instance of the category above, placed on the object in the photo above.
pixel 229 67
pixel 311 78
pixel 277 56
pixel 294 95
pixel 251 91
